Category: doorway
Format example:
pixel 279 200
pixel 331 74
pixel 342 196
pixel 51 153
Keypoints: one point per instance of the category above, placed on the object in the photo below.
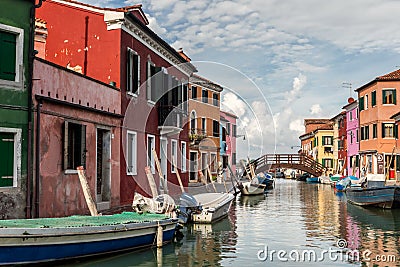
pixel 193 166
pixel 103 168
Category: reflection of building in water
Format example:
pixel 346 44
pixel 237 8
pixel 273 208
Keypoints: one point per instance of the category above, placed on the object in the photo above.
pixel 377 231
pixel 321 217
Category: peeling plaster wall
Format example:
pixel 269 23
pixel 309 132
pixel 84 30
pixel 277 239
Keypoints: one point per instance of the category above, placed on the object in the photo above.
pixel 61 193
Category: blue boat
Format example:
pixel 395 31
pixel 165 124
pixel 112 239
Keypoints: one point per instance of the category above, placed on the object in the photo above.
pixel 385 197
pixel 345 182
pixel 30 241
pixel 312 180
pixel 266 179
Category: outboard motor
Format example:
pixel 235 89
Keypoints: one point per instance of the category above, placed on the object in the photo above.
pixel 188 205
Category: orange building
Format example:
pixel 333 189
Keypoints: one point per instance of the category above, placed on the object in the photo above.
pixel 378 132
pixel 204 135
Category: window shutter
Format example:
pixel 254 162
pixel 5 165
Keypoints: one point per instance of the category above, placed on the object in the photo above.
pixel 396 131
pixel 8 44
pixel 383 130
pixel 6 159
pixel 323 140
pixel 135 70
pixel 83 146
pixel 65 142
pixel 394 96
pixel 128 71
pixel 384 97
pixel 323 162
pixel 361 103
pixel 373 100
pixel 148 82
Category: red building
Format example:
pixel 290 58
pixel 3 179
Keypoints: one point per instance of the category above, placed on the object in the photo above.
pixel 77 123
pixel 340 141
pixel 115 46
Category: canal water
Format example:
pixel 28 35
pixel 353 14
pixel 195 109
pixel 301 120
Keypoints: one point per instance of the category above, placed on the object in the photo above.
pixel 295 224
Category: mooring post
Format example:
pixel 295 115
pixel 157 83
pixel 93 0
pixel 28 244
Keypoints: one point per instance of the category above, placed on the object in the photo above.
pixel 159 235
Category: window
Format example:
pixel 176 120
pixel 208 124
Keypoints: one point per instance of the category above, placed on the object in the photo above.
pixel 361 103
pixel 327 140
pixel 151 145
pixel 215 99
pixel 374 130
pixel 358 136
pixel 233 158
pixel 174 154
pixel 365 132
pixel 204 96
pixel 228 128
pixel 183 156
pixel 74 145
pixel 194 92
pixel 131 149
pixel 350 115
pixel 185 102
pixel 133 72
pixel 10 159
pixel 389 96
pixel 215 128
pixel 154 82
pixel 373 99
pixel 234 130
pixel 328 163
pixel 351 137
pixel 366 102
pixel 204 125
pixel 340 144
pixel 11 52
pixel 389 130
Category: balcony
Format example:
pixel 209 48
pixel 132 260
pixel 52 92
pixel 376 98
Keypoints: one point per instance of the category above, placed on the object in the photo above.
pixel 170 119
pixel 196 135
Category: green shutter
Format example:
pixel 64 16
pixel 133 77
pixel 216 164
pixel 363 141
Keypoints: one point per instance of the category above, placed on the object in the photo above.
pixel 383 130
pixel 323 140
pixel 394 96
pixel 8 46
pixel 373 100
pixel 361 103
pixel 396 131
pixel 6 159
pixel 323 162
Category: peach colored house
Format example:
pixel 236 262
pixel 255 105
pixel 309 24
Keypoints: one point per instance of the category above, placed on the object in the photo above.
pixel 378 132
pixel 307 139
pixel 204 134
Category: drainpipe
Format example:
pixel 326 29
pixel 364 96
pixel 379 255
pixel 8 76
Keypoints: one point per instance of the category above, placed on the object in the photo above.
pixel 37 157
pixel 31 56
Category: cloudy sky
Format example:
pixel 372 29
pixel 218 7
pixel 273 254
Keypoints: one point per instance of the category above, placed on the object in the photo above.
pixel 281 61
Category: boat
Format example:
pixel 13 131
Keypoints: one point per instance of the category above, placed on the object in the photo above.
pixel 350 180
pixel 44 240
pixel 385 197
pixel 324 180
pixel 266 179
pixel 303 177
pixel 312 180
pixel 188 206
pixel 336 177
pixel 251 188
pixel 215 206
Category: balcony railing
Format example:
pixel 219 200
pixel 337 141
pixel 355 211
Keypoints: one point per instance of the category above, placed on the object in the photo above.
pixel 171 116
pixel 197 134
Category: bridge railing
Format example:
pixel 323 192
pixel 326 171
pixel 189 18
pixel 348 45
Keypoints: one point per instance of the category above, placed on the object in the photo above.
pixel 292 159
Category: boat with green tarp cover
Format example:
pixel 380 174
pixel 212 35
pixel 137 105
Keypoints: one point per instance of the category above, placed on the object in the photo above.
pixel 24 241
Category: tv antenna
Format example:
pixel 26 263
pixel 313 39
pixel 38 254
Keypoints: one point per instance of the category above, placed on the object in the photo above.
pixel 347 85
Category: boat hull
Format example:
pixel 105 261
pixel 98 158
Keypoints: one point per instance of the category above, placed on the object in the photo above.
pixel 215 207
pixel 39 245
pixel 249 189
pixel 385 197
pixel 312 180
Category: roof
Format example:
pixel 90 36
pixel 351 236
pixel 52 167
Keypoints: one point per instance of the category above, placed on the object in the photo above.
pixel 123 9
pixel 396 116
pixel 327 126
pixel 350 105
pixel 315 121
pixel 199 80
pixel 229 114
pixel 341 114
pixel 392 76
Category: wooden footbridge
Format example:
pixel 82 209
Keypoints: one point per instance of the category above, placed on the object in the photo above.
pixel 293 161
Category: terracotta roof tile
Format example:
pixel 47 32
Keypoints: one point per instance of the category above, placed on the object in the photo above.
pixel 394 75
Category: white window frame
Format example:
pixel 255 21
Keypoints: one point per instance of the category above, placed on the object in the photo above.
pixel 388 89
pixel 129 74
pixel 214 167
pixel 174 155
pixel 134 153
pixel 149 81
pixel 183 157
pixel 151 160
pixel 17 155
pixel 366 102
pixel 19 61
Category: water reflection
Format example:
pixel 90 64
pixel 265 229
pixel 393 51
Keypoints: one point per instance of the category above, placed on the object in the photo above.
pixel 294 216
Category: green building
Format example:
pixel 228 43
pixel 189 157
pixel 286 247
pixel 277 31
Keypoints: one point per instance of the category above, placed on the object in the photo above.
pixel 16 20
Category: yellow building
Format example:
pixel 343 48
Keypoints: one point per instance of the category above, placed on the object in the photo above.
pixel 323 146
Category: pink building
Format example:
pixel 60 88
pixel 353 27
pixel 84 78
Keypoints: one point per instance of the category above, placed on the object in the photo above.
pixel 77 124
pixel 352 162
pixel 228 140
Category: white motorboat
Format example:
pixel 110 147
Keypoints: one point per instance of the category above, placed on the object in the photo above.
pixel 215 206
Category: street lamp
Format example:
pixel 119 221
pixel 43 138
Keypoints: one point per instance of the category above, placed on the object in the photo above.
pixel 294 147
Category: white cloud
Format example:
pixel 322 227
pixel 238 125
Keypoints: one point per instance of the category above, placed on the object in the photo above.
pixel 297 126
pixel 315 109
pixel 298 84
